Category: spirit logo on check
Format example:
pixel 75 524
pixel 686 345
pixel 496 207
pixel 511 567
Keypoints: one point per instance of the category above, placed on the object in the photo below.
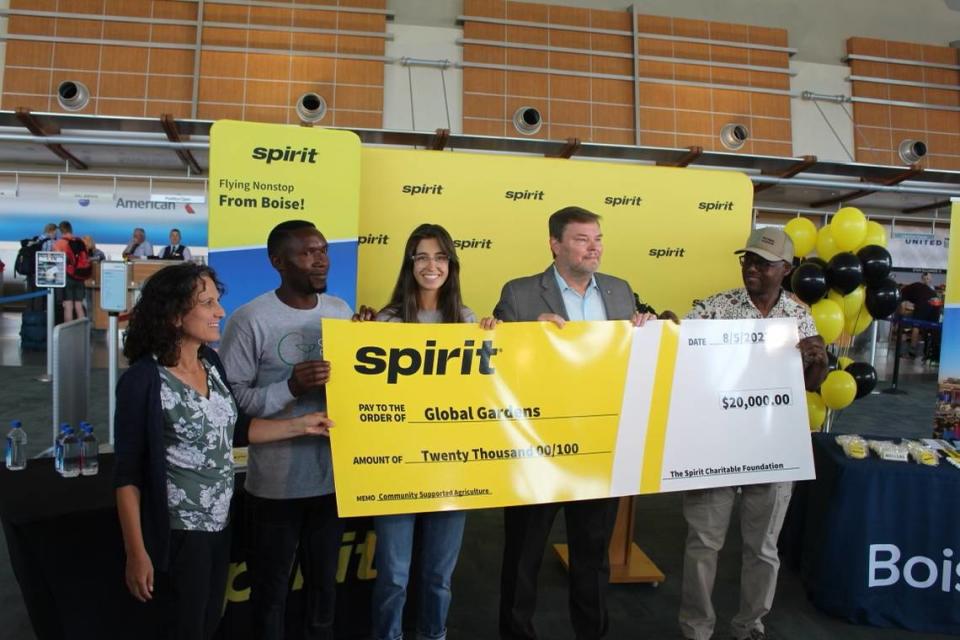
pixel 431 360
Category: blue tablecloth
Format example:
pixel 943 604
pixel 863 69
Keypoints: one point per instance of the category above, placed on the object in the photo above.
pixel 879 542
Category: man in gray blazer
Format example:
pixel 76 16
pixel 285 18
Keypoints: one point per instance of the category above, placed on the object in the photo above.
pixel 570 289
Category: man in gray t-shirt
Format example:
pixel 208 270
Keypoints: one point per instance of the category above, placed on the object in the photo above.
pixel 273 353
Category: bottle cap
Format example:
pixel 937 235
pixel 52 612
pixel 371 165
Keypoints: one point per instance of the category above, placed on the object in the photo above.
pixel 15 424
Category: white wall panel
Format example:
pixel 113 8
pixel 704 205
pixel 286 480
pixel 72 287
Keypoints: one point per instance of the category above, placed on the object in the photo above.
pixel 811 132
pixel 429 113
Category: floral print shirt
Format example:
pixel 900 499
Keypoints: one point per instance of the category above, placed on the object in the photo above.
pixel 198 439
pixel 736 304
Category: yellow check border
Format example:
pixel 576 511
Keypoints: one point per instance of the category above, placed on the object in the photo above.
pixel 660 409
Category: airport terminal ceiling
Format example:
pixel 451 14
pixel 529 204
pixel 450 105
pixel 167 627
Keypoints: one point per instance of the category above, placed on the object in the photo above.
pixel 174 146
pixel 102 146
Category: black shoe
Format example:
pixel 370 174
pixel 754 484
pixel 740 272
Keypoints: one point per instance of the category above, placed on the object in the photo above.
pixel 755 634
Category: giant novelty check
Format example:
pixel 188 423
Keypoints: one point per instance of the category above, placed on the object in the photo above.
pixel 432 417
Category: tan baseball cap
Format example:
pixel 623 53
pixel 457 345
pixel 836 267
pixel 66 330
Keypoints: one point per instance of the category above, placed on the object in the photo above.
pixel 770 243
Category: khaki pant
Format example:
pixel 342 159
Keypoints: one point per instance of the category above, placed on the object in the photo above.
pixel 707 512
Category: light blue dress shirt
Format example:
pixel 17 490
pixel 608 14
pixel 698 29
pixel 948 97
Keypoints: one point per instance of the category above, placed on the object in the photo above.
pixel 588 306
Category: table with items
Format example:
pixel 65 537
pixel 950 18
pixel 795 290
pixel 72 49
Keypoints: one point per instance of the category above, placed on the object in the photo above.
pixel 877 534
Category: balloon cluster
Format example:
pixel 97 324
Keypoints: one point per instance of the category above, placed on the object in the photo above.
pixel 847 287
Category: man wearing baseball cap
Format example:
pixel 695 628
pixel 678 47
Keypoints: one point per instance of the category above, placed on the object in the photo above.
pixel 764 261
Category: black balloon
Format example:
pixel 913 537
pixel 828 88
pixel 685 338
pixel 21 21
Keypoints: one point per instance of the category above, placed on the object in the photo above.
pixel 883 299
pixel 844 272
pixel 865 376
pixel 876 263
pixel 815 260
pixel 809 282
pixel 785 283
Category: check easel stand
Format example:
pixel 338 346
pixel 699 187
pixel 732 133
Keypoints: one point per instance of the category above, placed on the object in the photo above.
pixel 628 562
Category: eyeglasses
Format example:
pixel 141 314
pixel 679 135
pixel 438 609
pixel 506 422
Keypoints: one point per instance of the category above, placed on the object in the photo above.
pixel 421 259
pixel 751 260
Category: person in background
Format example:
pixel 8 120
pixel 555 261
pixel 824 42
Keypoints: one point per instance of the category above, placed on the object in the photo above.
pixel 46 240
pixel 272 346
pixel 75 291
pixel 139 246
pixel 175 250
pixel 764 262
pixel 920 294
pixel 50 235
pixel 96 255
pixel 427 291
pixel 176 424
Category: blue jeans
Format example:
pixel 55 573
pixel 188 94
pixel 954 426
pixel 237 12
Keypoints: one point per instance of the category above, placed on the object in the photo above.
pixel 442 533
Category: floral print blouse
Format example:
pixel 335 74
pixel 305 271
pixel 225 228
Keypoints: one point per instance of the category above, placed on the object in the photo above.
pixel 198 439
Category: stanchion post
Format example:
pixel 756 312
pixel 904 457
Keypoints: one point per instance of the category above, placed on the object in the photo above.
pixel 112 368
pixel 51 321
pixel 893 390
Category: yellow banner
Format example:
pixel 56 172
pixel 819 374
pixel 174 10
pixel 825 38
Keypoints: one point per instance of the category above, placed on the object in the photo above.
pixel 661 225
pixel 264 174
pixel 946 421
pixel 953 257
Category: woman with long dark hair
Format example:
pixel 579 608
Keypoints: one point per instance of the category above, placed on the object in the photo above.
pixel 176 423
pixel 427 290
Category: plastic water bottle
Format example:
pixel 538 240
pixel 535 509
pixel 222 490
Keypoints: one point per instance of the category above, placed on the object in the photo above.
pixel 58 448
pixel 16 447
pixel 89 447
pixel 71 455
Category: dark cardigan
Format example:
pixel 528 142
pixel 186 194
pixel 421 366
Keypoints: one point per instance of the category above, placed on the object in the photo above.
pixel 140 457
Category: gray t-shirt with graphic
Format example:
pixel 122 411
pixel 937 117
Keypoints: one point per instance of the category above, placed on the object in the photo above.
pixel 261 343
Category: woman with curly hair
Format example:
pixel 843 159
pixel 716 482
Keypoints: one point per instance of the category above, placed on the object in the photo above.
pixel 427 290
pixel 176 423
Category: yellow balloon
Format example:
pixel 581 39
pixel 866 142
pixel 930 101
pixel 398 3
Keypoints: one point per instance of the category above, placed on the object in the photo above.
pixel 849 228
pixel 816 410
pixel 858 323
pixel 826 245
pixel 843 362
pixel 876 234
pixel 804 236
pixel 838 390
pixel 828 316
pixel 851 303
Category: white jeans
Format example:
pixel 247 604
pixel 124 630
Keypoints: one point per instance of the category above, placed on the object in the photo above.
pixel 707 512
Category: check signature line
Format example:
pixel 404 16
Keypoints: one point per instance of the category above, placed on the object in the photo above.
pixel 735 473
pixel 567 455
pixel 592 415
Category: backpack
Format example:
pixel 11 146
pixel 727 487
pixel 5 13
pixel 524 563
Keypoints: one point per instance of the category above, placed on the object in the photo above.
pixel 78 260
pixel 26 262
